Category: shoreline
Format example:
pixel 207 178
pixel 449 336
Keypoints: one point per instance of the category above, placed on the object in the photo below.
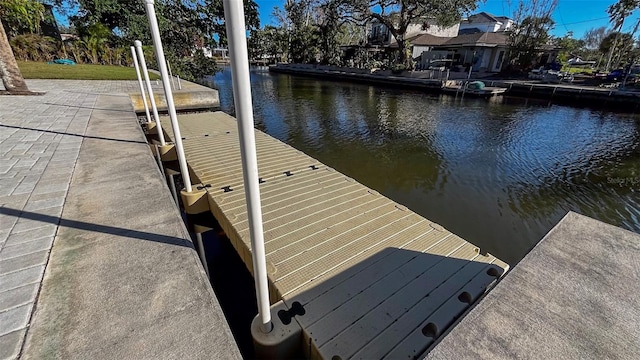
pixel 564 94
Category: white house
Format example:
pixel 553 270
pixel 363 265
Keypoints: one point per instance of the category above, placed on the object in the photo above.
pixel 379 33
pixel 485 22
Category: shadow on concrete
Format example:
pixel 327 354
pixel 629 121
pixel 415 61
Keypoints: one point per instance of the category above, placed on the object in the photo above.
pixel 87 107
pixel 170 240
pixel 71 134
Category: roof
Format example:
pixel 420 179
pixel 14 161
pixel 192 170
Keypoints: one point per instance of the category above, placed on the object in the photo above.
pixel 428 40
pixel 489 38
pixel 484 17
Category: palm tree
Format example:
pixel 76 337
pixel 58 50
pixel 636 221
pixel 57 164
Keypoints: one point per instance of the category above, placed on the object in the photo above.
pixel 9 70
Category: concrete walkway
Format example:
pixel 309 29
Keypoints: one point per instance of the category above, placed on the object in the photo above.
pixel 122 279
pixel 574 296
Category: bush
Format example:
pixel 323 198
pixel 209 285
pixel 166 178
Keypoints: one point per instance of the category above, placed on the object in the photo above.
pixel 398 68
pixel 34 47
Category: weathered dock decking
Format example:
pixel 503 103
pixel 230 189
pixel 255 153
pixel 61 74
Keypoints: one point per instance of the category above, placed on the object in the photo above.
pixel 374 278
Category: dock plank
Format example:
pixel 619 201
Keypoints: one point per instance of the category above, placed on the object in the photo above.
pixel 358 262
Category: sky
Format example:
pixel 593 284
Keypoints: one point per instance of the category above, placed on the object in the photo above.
pixel 576 15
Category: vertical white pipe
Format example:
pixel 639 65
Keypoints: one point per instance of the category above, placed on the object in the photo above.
pixel 145 72
pixel 162 65
pixel 179 83
pixel 236 33
pixel 134 57
pixel 203 257
pixel 173 84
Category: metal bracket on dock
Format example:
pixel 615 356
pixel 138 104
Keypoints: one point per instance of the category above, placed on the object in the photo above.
pixel 168 152
pixel 151 127
pixel 195 202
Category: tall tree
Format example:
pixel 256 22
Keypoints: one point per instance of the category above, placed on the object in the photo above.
pixel 185 25
pixel 9 70
pixel 22 15
pixel 397 15
pixel 532 24
pixel 618 13
pixel 593 37
pixel 569 47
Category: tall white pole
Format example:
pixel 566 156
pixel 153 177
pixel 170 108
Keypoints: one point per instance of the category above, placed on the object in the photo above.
pixel 171 76
pixel 236 33
pixel 145 72
pixel 162 65
pixel 134 57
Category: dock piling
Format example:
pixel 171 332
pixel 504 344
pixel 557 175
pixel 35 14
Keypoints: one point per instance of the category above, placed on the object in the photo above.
pixel 154 108
pixel 203 257
pixel 134 57
pixel 162 65
pixel 235 24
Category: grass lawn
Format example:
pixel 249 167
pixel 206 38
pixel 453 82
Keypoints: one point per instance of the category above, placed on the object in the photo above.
pixel 577 70
pixel 39 70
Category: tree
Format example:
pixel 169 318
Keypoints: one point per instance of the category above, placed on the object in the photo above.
pixel 618 12
pixel 569 46
pixel 9 70
pixel 303 46
pixel 532 23
pixel 185 26
pixel 397 15
pixel 21 16
pixel 593 37
pixel 268 42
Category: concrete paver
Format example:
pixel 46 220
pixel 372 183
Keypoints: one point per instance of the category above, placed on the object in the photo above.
pixel 41 140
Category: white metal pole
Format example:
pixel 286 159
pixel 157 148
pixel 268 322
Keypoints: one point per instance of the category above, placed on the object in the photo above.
pixel 162 65
pixel 171 75
pixel 179 83
pixel 143 65
pixel 134 57
pixel 236 33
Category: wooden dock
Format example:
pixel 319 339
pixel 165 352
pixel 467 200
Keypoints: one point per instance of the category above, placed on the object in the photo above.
pixel 374 278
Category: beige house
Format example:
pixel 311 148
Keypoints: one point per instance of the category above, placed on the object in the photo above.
pixel 379 34
pixel 486 52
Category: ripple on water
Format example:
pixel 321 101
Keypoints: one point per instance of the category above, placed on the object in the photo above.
pixel 498 174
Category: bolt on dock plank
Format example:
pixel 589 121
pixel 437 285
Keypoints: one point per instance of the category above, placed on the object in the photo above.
pixel 374 278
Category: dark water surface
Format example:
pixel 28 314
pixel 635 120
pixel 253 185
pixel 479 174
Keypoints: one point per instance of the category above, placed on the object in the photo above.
pixel 499 173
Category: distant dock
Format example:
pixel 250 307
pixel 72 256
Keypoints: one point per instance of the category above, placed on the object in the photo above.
pixel 362 276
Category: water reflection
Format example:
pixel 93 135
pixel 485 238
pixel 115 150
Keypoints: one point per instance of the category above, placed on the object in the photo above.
pixel 499 173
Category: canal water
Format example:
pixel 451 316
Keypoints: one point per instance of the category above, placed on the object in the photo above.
pixel 499 173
